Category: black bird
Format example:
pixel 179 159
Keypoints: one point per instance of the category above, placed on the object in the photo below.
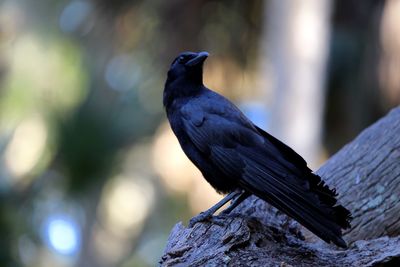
pixel 239 159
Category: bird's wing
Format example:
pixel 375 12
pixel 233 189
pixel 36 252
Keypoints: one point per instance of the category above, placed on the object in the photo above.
pixel 267 168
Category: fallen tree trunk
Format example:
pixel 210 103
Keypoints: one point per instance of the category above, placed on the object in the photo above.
pixel 365 172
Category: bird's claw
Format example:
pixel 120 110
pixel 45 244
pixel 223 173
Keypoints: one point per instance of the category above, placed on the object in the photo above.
pixel 203 216
pixel 225 212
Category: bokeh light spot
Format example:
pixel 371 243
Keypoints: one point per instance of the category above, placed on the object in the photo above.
pixel 26 146
pixel 126 205
pixel 74 15
pixel 63 235
pixel 122 73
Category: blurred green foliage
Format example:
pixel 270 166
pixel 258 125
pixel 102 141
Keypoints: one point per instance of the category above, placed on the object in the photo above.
pixel 90 75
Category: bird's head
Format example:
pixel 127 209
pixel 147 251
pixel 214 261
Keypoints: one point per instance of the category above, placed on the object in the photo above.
pixel 188 65
pixel 185 74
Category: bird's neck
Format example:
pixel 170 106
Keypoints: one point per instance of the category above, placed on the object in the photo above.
pixel 179 89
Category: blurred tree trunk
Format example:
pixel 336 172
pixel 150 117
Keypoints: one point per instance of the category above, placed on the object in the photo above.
pixel 296 44
pixel 365 173
pixel 354 96
pixel 389 79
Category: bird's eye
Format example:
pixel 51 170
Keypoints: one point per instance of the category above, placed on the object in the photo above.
pixel 181 59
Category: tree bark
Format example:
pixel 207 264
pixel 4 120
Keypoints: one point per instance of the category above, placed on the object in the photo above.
pixel 365 172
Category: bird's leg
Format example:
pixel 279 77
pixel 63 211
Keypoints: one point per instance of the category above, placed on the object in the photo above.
pixel 208 213
pixel 236 202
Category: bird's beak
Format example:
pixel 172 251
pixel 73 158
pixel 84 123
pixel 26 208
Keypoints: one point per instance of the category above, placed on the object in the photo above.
pixel 201 56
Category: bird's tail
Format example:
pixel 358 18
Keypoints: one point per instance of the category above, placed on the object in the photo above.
pixel 286 182
pixel 307 199
pixel 327 219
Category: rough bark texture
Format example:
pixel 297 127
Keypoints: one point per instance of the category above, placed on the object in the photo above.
pixel 365 172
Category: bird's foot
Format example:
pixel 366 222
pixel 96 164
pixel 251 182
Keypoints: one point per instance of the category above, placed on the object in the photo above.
pixel 201 217
pixel 225 212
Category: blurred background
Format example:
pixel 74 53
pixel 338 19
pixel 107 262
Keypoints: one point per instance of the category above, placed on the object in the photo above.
pixel 90 172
